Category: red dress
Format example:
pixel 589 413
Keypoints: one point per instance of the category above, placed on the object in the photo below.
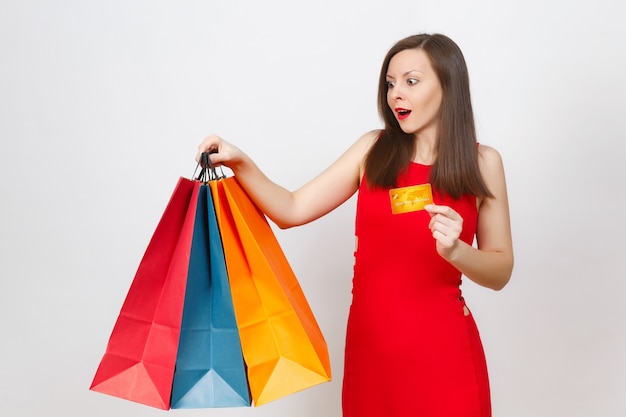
pixel 412 347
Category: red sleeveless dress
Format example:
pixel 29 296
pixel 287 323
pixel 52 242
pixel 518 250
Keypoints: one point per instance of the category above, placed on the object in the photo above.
pixel 412 347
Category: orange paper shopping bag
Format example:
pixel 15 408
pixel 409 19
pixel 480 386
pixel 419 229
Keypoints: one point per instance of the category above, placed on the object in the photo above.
pixel 282 344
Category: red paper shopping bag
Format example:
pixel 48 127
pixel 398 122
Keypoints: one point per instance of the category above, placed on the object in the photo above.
pixel 139 361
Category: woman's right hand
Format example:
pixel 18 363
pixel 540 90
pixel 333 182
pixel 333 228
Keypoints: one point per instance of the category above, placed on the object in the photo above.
pixel 221 152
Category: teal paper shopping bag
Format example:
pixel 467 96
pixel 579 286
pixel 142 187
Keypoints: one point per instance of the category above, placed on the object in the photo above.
pixel 210 370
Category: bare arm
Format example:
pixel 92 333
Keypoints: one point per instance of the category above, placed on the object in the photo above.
pixel 287 208
pixel 491 264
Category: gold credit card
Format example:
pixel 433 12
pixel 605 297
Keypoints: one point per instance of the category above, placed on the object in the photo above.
pixel 408 199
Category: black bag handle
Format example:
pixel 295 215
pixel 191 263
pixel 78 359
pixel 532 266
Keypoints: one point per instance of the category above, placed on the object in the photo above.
pixel 207 171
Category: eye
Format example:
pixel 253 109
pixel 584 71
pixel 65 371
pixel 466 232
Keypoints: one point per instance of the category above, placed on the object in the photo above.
pixel 412 81
pixel 390 85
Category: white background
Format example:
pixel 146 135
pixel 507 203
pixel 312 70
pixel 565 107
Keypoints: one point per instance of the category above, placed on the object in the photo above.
pixel 102 106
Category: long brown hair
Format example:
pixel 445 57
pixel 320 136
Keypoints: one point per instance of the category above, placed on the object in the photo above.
pixel 455 171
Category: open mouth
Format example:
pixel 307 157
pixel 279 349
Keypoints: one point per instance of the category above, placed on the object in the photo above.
pixel 403 113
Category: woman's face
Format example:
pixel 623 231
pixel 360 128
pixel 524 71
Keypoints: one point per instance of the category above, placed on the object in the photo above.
pixel 414 92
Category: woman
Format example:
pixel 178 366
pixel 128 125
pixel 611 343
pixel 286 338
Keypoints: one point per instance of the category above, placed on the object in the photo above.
pixel 412 347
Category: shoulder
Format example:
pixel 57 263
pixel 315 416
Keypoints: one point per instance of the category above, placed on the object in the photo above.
pixel 487 154
pixel 362 146
pixel 368 139
pixel 489 160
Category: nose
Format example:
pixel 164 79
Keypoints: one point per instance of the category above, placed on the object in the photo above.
pixel 395 92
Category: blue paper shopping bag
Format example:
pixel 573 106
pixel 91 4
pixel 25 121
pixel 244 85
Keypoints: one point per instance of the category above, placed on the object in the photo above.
pixel 210 370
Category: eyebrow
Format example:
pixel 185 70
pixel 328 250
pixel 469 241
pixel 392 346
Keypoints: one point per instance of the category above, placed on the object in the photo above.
pixel 406 73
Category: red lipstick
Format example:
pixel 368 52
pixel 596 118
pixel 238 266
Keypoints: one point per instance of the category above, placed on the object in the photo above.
pixel 402 113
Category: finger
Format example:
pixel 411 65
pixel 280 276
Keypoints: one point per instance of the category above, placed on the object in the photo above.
pixel 441 229
pixel 443 210
pixel 209 144
pixel 445 226
pixel 442 238
pixel 429 208
pixel 444 242
pixel 217 158
pixel 433 209
pixel 443 220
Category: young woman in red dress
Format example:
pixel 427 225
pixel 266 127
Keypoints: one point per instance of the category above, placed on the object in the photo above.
pixel 412 347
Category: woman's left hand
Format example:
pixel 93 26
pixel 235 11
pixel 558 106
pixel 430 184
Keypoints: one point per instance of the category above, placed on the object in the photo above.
pixel 446 226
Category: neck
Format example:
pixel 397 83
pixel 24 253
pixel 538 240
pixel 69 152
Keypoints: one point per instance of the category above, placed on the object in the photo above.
pixel 425 150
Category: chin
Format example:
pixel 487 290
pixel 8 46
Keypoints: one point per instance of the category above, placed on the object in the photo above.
pixel 408 130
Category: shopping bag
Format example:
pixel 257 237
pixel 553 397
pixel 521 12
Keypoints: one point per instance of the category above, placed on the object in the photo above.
pixel 139 361
pixel 210 370
pixel 283 346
